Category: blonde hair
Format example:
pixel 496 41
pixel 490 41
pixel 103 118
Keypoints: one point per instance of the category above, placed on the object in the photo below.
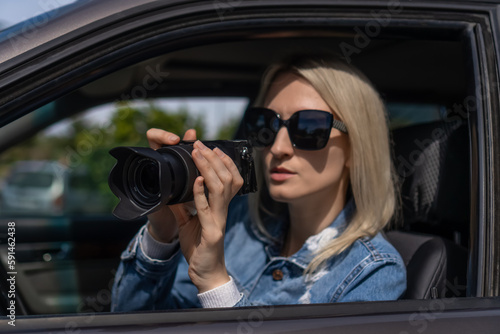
pixel 372 176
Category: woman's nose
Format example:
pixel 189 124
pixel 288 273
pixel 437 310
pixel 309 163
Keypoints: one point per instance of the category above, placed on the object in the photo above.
pixel 282 145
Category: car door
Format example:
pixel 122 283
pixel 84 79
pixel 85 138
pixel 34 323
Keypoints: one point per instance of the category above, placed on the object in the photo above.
pixel 124 59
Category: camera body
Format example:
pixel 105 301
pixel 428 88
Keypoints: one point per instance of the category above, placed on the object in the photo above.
pixel 145 179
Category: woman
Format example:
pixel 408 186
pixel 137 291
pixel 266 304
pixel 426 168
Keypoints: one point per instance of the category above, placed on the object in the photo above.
pixel 312 232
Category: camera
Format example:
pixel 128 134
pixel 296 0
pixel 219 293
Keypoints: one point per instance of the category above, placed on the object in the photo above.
pixel 145 179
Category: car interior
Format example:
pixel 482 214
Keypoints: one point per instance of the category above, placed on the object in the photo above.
pixel 424 78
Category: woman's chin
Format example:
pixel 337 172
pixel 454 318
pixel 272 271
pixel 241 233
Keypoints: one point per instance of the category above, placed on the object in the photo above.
pixel 282 195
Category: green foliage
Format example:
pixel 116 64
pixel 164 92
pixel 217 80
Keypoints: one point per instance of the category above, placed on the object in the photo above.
pixel 229 129
pixel 130 124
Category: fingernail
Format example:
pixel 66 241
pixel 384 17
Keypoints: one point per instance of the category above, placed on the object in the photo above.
pixel 173 138
pixel 200 145
pixel 219 152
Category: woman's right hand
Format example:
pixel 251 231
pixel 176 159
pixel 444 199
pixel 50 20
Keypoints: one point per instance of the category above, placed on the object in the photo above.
pixel 201 235
pixel 162 223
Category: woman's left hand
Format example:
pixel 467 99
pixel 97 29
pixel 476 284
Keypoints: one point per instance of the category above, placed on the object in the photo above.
pixel 202 236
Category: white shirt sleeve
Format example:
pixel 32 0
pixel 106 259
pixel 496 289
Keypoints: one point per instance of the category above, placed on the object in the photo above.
pixel 156 249
pixel 226 295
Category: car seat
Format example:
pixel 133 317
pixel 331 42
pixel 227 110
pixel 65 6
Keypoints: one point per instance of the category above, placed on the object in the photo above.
pixel 432 162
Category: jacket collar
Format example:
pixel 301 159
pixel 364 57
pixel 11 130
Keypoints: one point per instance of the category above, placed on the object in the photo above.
pixel 277 229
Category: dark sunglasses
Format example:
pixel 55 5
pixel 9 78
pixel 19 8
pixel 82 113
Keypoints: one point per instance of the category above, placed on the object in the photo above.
pixel 307 129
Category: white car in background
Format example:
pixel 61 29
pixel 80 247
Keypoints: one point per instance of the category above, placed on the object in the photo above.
pixel 34 186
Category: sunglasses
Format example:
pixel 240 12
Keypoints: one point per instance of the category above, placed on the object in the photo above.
pixel 308 129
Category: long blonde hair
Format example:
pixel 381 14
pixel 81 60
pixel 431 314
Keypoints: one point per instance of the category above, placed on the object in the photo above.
pixel 372 176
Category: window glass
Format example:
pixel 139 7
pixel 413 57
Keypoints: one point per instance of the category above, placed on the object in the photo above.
pixel 31 180
pixel 64 168
pixel 54 186
pixel 34 12
pixel 406 114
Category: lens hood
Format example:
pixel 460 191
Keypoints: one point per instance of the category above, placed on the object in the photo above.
pixel 122 184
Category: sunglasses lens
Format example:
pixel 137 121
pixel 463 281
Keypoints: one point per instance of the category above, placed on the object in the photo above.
pixel 259 126
pixel 310 129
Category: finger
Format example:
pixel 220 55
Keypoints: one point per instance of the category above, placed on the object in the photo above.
pixel 218 178
pixel 157 138
pixel 211 179
pixel 217 191
pixel 213 225
pixel 201 203
pixel 231 167
pixel 217 164
pixel 190 135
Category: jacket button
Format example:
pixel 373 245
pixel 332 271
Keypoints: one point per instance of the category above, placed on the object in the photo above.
pixel 277 275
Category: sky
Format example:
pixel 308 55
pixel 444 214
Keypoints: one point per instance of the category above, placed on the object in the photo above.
pixel 15 11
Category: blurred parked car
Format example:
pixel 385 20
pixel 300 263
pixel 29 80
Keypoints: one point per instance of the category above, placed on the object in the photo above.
pixel 34 186
pixel 49 188
pixel 126 63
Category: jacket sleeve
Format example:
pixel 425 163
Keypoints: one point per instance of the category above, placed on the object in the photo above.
pixel 143 283
pixel 375 281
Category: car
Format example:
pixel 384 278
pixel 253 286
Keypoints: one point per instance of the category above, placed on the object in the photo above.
pixel 80 79
pixel 49 187
pixel 34 186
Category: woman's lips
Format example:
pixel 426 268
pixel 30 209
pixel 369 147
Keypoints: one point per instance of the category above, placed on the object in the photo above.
pixel 280 174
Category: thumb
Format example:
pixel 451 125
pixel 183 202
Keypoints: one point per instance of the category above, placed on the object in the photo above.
pixel 190 135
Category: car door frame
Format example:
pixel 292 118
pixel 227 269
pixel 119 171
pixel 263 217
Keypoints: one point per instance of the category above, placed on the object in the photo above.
pixel 78 64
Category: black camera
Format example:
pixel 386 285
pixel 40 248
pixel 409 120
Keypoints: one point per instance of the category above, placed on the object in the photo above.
pixel 145 179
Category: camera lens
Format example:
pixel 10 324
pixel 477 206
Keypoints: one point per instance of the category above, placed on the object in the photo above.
pixel 147 176
pixel 144 178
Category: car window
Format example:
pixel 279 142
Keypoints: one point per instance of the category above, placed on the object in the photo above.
pixel 58 170
pixel 67 163
pixel 31 179
pixel 403 114
pixel 58 177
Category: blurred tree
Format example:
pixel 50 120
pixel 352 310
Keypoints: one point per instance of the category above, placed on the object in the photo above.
pixel 228 130
pixel 129 124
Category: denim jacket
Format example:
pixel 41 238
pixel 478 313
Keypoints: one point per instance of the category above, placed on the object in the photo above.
pixel 371 269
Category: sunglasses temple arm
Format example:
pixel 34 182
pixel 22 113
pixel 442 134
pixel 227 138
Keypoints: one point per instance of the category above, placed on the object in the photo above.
pixel 339 125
